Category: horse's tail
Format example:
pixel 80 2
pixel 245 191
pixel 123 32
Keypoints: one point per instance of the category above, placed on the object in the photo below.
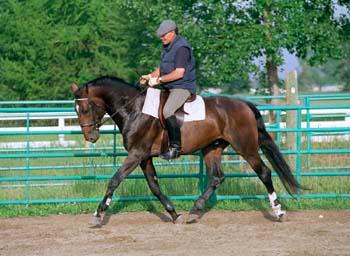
pixel 273 154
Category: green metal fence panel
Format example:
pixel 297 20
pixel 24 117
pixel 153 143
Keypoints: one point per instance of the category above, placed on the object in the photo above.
pixel 21 167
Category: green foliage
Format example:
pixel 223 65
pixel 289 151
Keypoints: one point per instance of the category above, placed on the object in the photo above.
pixel 48 45
pixel 343 68
pixel 45 45
pixel 333 72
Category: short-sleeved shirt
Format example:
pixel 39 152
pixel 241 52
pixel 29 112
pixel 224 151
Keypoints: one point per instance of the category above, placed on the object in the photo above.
pixel 182 57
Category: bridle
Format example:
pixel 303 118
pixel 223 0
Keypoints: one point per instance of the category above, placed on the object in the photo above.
pixel 97 125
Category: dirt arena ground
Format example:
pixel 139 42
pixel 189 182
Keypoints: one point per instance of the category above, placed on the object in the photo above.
pixel 217 233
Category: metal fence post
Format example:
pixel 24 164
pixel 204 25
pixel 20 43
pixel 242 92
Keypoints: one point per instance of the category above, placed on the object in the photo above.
pixel 201 174
pixel 114 149
pixel 298 148
pixel 308 133
pixel 27 188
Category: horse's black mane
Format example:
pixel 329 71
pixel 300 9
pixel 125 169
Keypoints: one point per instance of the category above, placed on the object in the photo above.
pixel 109 80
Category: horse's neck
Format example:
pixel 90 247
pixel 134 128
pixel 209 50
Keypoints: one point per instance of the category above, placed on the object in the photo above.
pixel 122 103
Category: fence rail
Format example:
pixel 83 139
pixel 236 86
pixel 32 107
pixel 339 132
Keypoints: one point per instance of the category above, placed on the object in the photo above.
pixel 14 174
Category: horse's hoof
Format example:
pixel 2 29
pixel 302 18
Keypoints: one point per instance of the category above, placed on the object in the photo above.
pixel 193 218
pixel 96 222
pixel 282 217
pixel 180 219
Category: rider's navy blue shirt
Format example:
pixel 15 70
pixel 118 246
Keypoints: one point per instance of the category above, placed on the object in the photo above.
pixel 182 57
pixel 170 61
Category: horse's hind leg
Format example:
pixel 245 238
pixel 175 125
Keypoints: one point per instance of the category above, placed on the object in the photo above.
pixel 212 157
pixel 152 180
pixel 264 174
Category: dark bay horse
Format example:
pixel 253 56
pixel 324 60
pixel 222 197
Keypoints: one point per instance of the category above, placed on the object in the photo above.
pixel 228 121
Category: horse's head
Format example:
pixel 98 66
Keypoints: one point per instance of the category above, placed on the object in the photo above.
pixel 90 111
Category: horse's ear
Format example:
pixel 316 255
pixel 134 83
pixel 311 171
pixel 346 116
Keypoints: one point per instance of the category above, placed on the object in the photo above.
pixel 74 87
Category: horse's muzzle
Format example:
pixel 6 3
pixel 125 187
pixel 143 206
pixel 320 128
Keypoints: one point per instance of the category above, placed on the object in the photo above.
pixel 93 136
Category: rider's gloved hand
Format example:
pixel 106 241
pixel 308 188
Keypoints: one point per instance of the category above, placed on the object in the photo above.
pixel 145 78
pixel 153 81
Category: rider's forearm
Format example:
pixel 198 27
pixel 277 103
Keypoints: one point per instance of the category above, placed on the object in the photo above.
pixel 174 75
pixel 156 72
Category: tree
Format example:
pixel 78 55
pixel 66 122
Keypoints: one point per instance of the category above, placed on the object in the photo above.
pixel 227 35
pixel 204 24
pixel 343 68
pixel 22 47
pixel 46 45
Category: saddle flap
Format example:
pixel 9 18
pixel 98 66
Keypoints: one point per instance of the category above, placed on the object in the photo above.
pixel 191 111
pixel 179 113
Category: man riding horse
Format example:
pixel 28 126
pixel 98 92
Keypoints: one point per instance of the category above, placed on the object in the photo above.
pixel 177 73
pixel 228 121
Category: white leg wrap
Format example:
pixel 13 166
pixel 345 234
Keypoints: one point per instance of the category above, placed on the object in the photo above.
pixel 278 211
pixel 276 207
pixel 272 198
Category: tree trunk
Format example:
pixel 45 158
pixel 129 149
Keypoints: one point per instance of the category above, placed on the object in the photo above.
pixel 272 81
pixel 271 67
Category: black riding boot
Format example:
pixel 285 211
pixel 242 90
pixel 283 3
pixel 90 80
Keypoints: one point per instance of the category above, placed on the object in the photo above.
pixel 174 139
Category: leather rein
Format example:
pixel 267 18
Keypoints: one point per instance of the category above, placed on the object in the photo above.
pixel 97 124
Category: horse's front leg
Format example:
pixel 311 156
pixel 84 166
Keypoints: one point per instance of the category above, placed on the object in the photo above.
pixel 130 163
pixel 152 180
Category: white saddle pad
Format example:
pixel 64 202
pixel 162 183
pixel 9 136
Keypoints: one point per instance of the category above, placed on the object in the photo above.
pixel 195 109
